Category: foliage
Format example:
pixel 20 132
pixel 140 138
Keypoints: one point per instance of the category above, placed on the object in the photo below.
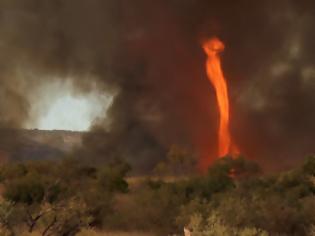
pixel 232 198
pixel 214 226
pixel 179 162
pixel 59 198
pixel 309 166
pixel 273 205
pixel 9 218
pixel 111 177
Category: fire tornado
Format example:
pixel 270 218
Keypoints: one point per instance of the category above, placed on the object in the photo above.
pixel 215 75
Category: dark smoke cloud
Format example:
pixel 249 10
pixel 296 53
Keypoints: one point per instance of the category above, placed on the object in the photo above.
pixel 148 53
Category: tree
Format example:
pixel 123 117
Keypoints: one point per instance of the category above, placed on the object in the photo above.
pixel 9 218
pixel 309 166
pixel 112 177
pixel 34 194
pixel 179 162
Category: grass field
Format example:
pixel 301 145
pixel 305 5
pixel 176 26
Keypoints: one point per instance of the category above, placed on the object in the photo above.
pixel 99 233
pixel 95 233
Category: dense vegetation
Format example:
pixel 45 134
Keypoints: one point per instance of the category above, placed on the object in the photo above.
pixel 232 198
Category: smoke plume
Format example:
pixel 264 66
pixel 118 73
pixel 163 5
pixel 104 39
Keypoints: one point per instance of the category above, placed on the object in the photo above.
pixel 148 53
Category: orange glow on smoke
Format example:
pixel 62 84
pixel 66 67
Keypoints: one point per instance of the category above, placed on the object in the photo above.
pixel 212 48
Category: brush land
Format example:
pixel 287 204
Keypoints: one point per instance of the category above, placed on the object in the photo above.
pixel 67 197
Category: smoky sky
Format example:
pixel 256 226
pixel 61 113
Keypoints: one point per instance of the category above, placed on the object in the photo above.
pixel 148 53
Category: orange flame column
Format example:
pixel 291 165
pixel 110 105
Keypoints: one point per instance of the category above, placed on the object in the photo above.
pixel 215 75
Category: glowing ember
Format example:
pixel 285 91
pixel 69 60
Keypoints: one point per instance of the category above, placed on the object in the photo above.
pixel 212 48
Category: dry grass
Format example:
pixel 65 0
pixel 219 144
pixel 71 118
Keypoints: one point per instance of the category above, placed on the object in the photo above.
pixel 141 179
pixel 30 234
pixel 96 233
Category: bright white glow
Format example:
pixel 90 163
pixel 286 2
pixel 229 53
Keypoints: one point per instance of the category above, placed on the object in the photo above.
pixel 73 113
pixel 59 106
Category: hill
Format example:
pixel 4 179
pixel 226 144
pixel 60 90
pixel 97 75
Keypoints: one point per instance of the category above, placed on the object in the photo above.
pixel 37 144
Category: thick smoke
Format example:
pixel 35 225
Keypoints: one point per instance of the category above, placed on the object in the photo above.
pixel 148 54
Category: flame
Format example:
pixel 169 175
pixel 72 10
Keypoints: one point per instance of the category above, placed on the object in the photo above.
pixel 215 75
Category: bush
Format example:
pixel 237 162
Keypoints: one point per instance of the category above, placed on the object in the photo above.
pixel 28 190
